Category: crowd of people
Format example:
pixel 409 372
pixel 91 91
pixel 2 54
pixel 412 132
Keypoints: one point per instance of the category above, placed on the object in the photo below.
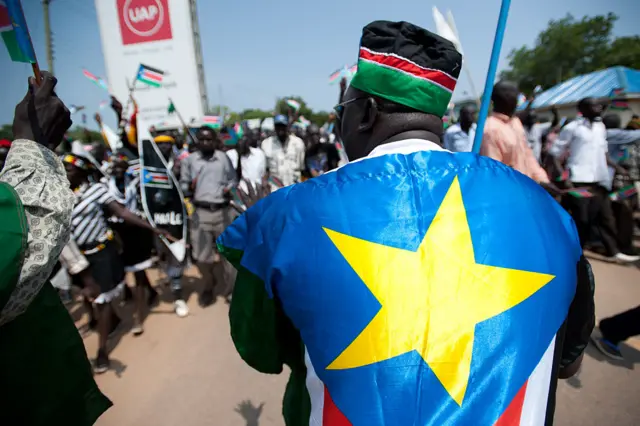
pixel 89 222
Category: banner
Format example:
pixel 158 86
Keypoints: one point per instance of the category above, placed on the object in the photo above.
pixel 162 199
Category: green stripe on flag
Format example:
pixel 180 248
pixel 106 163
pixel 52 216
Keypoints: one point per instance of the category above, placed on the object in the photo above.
pixel 150 82
pixel 15 53
pixel 266 339
pixel 401 88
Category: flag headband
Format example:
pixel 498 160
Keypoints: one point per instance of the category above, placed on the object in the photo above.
pixel 76 161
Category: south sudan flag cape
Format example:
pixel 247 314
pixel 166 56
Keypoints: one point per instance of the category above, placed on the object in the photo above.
pixel 45 376
pixel 401 289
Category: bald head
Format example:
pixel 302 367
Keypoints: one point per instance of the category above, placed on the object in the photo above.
pixel 505 97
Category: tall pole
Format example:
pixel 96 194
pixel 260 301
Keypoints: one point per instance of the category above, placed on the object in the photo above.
pixel 47 34
pixel 491 74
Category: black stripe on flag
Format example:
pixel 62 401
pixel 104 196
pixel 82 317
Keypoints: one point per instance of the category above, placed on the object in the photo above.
pixel 156 70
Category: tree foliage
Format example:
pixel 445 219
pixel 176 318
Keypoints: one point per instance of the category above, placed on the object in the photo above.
pixel 281 107
pixel 84 135
pixel 569 47
pixel 6 132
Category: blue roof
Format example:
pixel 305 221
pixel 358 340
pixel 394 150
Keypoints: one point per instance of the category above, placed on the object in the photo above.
pixel 596 84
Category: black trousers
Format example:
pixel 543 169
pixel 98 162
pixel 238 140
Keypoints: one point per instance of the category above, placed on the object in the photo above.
pixel 622 326
pixel 595 212
pixel 623 213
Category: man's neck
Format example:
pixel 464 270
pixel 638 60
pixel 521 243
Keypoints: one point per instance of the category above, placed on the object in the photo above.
pixel 413 134
pixel 465 127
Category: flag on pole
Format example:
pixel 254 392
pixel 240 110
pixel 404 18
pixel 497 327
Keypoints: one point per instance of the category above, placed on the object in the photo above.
pixel 150 76
pixel 15 34
pixel 618 104
pixel 580 193
pixel 293 104
pixel 444 30
pixel 172 108
pixel 623 193
pixel 335 76
pixel 238 130
pixel 213 121
pixel 95 79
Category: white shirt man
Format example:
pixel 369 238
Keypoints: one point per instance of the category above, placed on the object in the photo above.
pixel 457 140
pixel 534 138
pixel 588 147
pixel 285 160
pixel 254 164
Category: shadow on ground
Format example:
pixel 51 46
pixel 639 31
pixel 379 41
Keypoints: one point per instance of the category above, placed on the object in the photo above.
pixel 249 412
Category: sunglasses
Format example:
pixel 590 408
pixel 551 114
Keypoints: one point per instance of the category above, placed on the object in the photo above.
pixel 339 109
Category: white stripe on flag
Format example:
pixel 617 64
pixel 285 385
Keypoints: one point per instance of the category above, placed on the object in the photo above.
pixel 534 407
pixel 316 392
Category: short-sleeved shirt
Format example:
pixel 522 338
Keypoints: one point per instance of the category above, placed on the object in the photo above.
pixel 504 139
pixel 208 176
pixel 285 161
pixel 254 165
pixel 89 225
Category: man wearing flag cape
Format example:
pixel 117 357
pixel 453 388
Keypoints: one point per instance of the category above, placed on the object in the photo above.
pixel 401 288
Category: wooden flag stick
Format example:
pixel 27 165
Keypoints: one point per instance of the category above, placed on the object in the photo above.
pixel 36 72
pixel 186 128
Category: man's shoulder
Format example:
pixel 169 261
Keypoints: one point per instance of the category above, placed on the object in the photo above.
pixel 296 140
pixel 257 152
pixel 454 128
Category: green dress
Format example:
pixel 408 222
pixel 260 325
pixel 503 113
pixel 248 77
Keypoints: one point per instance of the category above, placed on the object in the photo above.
pixel 45 376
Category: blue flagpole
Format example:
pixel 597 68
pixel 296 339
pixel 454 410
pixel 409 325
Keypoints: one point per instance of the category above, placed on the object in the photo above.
pixel 491 74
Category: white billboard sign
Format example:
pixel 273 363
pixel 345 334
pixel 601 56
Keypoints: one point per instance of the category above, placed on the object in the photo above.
pixel 160 35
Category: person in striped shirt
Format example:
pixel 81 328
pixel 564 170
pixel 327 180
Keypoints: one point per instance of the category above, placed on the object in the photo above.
pixel 93 235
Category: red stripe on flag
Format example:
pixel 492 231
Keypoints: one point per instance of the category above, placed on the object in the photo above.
pixel 331 415
pixel 152 76
pixel 409 67
pixel 513 413
pixel 89 75
pixel 5 21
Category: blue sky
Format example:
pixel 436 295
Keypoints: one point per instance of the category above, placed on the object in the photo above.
pixel 256 50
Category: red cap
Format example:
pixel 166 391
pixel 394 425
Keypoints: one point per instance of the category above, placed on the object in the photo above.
pixel 5 143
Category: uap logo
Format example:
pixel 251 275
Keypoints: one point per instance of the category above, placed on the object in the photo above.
pixel 143 21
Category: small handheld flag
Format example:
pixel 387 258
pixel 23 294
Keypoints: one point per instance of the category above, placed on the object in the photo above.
pixel 15 34
pixel 623 193
pixel 618 104
pixel 275 182
pixel 213 121
pixel 563 177
pixel 238 130
pixel 172 108
pixel 150 76
pixel 346 71
pixel 293 104
pixel 580 193
pixel 96 80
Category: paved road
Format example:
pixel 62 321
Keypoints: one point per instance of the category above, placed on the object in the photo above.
pixel 185 372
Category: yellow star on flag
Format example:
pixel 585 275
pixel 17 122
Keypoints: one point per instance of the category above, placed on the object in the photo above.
pixel 431 298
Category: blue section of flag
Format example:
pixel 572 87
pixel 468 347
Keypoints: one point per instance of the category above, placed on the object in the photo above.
pixel 20 29
pixel 392 200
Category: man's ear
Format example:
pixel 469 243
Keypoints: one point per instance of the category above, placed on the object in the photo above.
pixel 369 115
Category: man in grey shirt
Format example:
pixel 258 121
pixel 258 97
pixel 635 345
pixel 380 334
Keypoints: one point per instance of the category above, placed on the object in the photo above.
pixel 207 176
